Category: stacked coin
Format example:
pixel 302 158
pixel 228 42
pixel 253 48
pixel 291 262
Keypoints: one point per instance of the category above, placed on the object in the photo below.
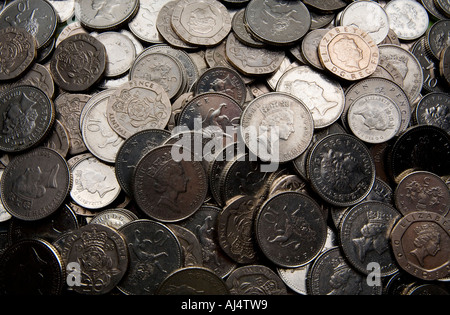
pixel 214 147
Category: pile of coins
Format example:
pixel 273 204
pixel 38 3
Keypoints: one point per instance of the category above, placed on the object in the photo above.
pixel 245 147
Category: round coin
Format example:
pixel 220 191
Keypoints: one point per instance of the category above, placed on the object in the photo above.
pixel 65 9
pixel 35 184
pixel 433 110
pixel 290 229
pixel 102 256
pixel 240 30
pixel 444 65
pixel 154 253
pixel 193 281
pixel 310 47
pixel 408 19
pixel 349 53
pixel 202 23
pixel 167 188
pixel 27 117
pixel 277 127
pixel 114 218
pixel 421 243
pixel 18 50
pixel 341 170
pixel 255 280
pixel 437 38
pixel 192 250
pixel 31 267
pixel 78 63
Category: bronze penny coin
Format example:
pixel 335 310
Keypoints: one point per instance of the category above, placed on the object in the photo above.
pixel 78 63
pixel 166 188
pixel 35 184
pixel 421 245
pixel 18 52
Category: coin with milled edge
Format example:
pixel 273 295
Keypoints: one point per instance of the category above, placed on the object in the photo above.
pixel 444 65
pixel 408 19
pixel 114 218
pixel 240 30
pixel 310 47
pixel 290 229
pixel 444 6
pixel 437 38
pixel 421 243
pixel 192 250
pixel 255 280
pixel 327 5
pixel 341 170
pixel 433 109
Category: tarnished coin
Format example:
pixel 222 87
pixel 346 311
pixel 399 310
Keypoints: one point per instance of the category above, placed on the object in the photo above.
pixel 408 19
pixel 381 192
pixel 240 30
pixel 409 67
pixel 387 71
pixel 341 170
pixel 71 29
pixel 192 250
pixel 433 9
pixel 65 9
pixel 4 214
pixel 236 229
pixel 78 63
pixel 104 15
pixel 277 127
pixel 420 148
pixel 201 23
pixel 437 38
pixel 330 274
pixel 132 150
pixel 365 236
pixel 444 65
pixel 58 139
pixel 290 229
pixel 114 218
pixel 222 80
pixel 37 17
pixel 144 24
pixel 434 109
pixel 368 16
pixel 193 281
pixel 349 53
pixel 255 280
pixel 136 106
pixel 120 52
pixel 31 267
pixel 310 47
pixel 154 253
pixel 27 116
pixel 101 253
pixel 326 6
pixel 98 136
pixel 374 118
pixel 252 61
pixel 166 188
pixel 94 183
pixel 276 22
pixel 35 184
pixel 322 95
pixel 421 243
pixel 443 6
pixel 422 191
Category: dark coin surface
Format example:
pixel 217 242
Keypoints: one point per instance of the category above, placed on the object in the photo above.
pixel 433 109
pixel 255 280
pixel 114 218
pixel 27 118
pixel 192 250
pixel 290 229
pixel 132 150
pixel 102 255
pixel 240 30
pixel 438 38
pixel 330 274
pixel 35 184
pixel 193 281
pixel 326 6
pixel 365 236
pixel 341 170
pixel 168 189
pixel 78 63
pixel 37 17
pixel 31 267
pixel 277 22
pixel 444 65
pixel 420 148
pixel 421 243
pixel 18 51
pixel 154 253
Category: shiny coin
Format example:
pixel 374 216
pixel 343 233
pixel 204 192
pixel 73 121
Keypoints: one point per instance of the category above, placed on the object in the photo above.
pixel 114 218
pixel 322 95
pixel 255 280
pixel 374 118
pixel 193 281
pixel 349 53
pixel 27 118
pixel 202 23
pixel 326 6
pixel 144 24
pixel 154 253
pixel 136 106
pixel 78 63
pixel 276 22
pixel 104 15
pixel 421 242
pixel 422 191
pixel 277 127
pixel 101 253
pixel 290 229
pixel 65 9
pixel 35 184
pixel 18 52
pixel 240 30
pixel 341 170
pixel 433 109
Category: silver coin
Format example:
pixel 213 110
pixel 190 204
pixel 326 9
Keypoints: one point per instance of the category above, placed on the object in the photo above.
pixel 408 18
pixel 65 9
pixel 322 95
pixel 114 218
pixel 71 29
pixel 144 25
